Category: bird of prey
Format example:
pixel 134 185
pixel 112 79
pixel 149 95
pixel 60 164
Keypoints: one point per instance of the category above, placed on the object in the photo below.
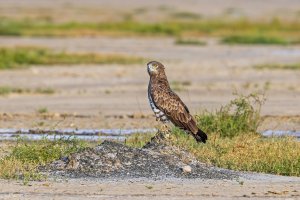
pixel 166 104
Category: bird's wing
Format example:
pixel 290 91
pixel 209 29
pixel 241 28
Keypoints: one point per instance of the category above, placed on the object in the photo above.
pixel 176 111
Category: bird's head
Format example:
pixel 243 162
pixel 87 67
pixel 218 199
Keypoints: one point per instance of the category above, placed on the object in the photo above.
pixel 155 68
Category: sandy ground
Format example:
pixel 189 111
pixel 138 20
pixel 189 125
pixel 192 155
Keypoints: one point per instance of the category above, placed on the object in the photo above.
pixel 270 188
pixel 104 96
pixel 213 72
pixel 155 10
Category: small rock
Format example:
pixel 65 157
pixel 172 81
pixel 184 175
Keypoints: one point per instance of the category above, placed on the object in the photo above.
pixel 111 155
pixel 186 169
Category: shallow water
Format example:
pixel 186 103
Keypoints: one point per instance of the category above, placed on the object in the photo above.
pixel 99 134
pixel 293 133
pixel 9 136
pixel 82 134
pixel 287 52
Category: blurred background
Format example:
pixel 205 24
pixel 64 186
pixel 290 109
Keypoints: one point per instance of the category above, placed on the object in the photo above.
pixel 82 64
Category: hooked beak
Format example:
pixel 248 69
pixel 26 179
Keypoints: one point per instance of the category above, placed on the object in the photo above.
pixel 151 69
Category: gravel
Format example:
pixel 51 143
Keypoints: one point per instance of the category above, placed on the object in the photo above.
pixel 156 160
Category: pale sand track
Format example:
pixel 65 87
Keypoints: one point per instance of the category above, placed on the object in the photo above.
pixel 280 188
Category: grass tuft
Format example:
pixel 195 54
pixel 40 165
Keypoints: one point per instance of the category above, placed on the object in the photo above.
pixel 42 110
pixel 18 57
pixel 181 41
pixel 26 157
pixel 240 116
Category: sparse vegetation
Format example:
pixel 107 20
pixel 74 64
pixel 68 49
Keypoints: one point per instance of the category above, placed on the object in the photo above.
pixel 44 91
pixel 246 152
pixel 234 142
pixel 196 42
pixel 42 110
pixel 26 157
pixel 292 66
pixel 239 116
pixel 6 90
pixel 234 32
pixel 17 57
pixel 257 39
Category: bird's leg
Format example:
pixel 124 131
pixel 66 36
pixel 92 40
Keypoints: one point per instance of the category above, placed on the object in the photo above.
pixel 165 129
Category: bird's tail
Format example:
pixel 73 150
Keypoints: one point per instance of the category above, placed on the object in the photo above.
pixel 200 136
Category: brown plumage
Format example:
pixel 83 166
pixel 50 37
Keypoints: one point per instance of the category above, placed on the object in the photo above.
pixel 167 105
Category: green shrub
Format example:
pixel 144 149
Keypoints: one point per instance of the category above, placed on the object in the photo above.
pixel 239 116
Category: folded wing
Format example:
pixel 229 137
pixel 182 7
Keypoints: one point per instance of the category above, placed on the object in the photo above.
pixel 174 109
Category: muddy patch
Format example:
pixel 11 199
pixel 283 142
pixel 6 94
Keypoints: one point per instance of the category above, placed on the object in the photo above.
pixel 156 160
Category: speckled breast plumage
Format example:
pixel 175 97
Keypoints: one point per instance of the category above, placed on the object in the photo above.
pixel 160 115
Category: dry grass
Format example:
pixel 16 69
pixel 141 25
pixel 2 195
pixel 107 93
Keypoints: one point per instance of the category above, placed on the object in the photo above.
pixel 247 152
pixel 233 141
pixel 26 157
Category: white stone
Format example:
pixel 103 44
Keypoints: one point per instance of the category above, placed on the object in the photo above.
pixel 187 169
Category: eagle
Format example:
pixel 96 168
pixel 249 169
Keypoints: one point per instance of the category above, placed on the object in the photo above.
pixel 166 104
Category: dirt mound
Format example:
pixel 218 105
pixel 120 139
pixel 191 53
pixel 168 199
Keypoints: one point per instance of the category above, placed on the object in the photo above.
pixel 155 160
